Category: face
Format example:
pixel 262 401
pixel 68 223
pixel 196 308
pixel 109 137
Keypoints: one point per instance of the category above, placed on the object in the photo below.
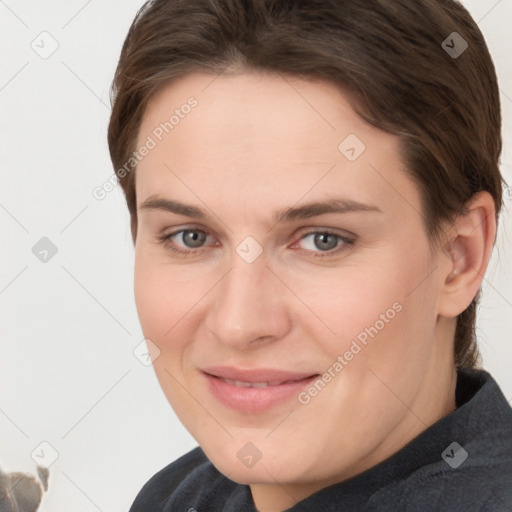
pixel 285 278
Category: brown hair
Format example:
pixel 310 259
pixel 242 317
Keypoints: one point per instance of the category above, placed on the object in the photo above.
pixel 395 58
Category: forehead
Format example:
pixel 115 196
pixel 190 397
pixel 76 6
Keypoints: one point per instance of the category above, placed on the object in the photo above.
pixel 253 108
pixel 254 132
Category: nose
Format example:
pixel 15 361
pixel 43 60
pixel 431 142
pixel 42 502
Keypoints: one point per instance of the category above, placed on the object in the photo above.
pixel 249 306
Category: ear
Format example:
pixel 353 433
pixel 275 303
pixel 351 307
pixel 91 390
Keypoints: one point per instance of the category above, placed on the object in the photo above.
pixel 468 245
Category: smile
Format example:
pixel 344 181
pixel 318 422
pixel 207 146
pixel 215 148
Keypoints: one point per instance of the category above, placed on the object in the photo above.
pixel 255 391
pixel 241 384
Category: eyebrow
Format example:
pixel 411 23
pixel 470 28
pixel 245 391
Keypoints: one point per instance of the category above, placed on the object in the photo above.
pixel 306 211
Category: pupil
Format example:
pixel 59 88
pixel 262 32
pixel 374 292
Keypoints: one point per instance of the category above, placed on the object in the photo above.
pixel 325 241
pixel 193 238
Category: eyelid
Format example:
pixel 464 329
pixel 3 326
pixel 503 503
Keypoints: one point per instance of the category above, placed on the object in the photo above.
pixel 343 234
pixel 165 238
pixel 347 239
pixel 167 233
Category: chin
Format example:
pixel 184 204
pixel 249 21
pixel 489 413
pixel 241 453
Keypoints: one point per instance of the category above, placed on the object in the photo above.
pixel 266 466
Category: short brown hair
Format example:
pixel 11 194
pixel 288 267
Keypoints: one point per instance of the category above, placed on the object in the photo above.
pixel 391 56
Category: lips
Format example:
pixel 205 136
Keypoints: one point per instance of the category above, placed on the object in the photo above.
pixel 256 374
pixel 255 390
pixel 264 384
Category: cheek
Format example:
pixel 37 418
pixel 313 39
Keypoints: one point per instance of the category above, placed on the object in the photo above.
pixel 161 304
pixel 149 298
pixel 170 302
pixel 379 305
pixel 160 298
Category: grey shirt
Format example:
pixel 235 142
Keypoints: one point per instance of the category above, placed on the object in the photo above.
pixel 462 463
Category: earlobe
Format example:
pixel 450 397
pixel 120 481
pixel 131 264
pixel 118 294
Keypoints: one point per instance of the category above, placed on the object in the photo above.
pixel 469 248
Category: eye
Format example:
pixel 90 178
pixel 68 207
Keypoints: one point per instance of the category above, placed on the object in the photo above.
pixel 317 243
pixel 323 243
pixel 192 238
pixel 186 241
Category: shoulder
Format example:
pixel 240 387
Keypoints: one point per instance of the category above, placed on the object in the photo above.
pixel 470 478
pixel 476 469
pixel 162 485
pixel 478 485
pixel 191 483
pixel 463 462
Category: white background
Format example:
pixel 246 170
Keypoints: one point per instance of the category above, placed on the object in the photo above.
pixel 67 372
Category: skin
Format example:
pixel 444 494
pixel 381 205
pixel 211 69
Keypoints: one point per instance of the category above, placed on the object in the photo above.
pixel 255 145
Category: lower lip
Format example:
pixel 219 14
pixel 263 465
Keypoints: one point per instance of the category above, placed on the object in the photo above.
pixel 255 400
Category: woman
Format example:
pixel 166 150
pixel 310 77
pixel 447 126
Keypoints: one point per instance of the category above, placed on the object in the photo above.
pixel 314 190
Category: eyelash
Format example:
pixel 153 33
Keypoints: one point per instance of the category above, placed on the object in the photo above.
pixel 346 243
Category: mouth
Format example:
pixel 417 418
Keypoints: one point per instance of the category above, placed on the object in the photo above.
pixel 255 390
pixel 265 384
